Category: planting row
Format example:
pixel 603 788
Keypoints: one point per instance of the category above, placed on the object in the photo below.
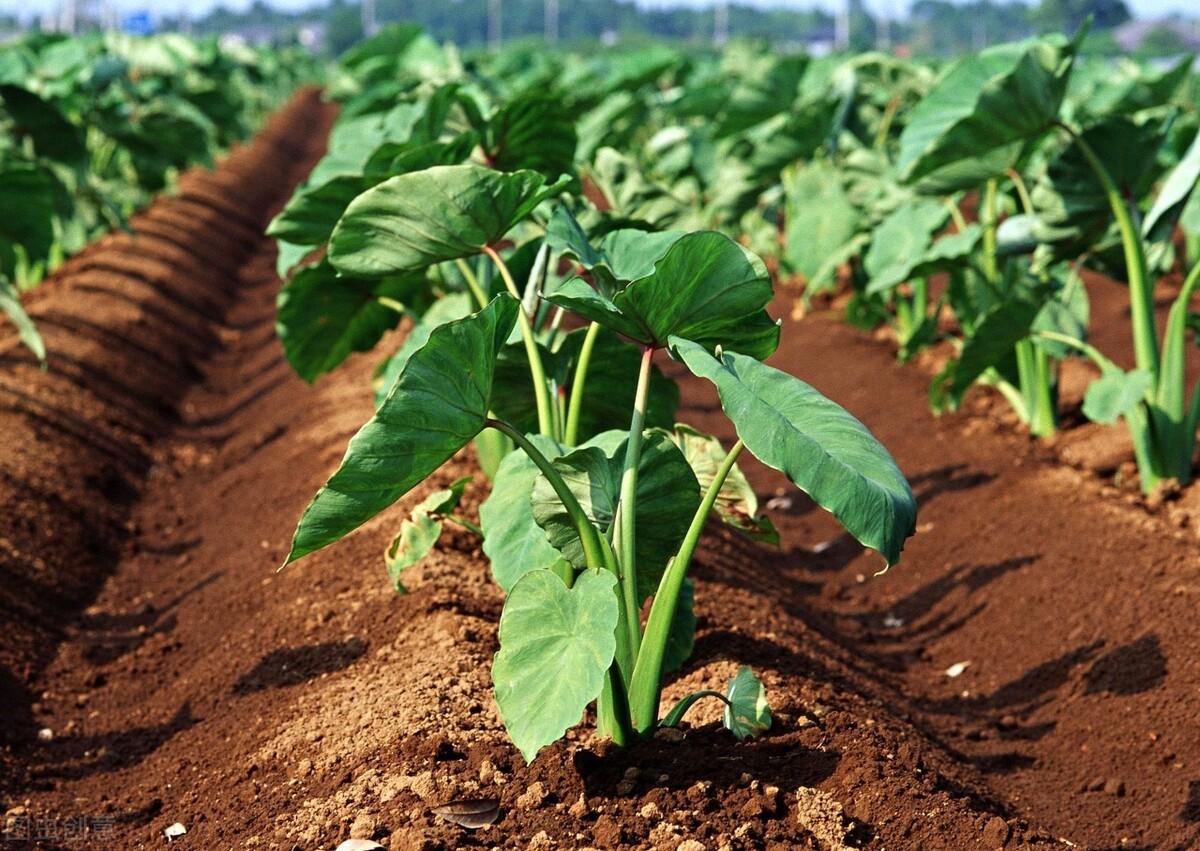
pixel 549 224
pixel 92 128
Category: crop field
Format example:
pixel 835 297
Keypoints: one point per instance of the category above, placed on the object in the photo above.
pixel 638 448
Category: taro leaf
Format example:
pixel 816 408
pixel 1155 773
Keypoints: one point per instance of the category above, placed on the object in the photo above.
pixel 821 224
pixel 446 309
pixel 471 813
pixel 621 256
pixel 990 343
pixel 1115 394
pixel 556 644
pixel 1068 312
pixel 1173 197
pixel 414 220
pixel 311 214
pixel 900 243
pixel 681 638
pixel 667 498
pixel 54 137
pixel 977 118
pixel 512 540
pixel 35 192
pixel 421 530
pixel 439 402
pixel 10 306
pixel 609 387
pixel 290 256
pixel 737 504
pixel 747 714
pixel 533 131
pixel 815 442
pixel 706 288
pixel 322 318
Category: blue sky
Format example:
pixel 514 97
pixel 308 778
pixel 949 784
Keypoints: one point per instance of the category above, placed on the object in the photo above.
pixel 1142 8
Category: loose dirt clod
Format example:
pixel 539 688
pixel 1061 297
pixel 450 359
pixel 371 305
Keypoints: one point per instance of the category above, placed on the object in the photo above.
pixel 821 815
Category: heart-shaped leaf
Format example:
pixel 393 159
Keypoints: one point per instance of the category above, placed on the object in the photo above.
pixel 443 213
pixel 513 541
pixel 322 318
pixel 438 403
pixel 556 644
pixel 534 130
pixel 705 288
pixel 1115 394
pixel 747 714
pixel 621 255
pixel 815 442
pixel 977 118
pixel 310 215
pixel 901 242
pixel 667 498
pixel 821 223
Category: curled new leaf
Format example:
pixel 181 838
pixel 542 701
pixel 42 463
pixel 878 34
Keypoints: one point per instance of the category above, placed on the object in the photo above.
pixel 438 404
pixel 747 714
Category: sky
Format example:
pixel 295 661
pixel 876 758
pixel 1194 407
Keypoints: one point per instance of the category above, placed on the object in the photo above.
pixel 1141 8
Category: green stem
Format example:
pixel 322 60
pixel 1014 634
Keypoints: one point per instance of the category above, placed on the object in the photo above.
pixel 989 219
pixel 626 519
pixel 646 688
pixel 1022 191
pixel 465 523
pixel 472 282
pixel 593 552
pixel 885 123
pixel 537 370
pixel 391 304
pixel 673 717
pixel 956 215
pixel 571 436
pixel 1141 296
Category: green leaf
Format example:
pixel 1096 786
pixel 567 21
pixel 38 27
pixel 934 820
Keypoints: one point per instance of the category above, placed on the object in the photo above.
pixel 737 504
pixel 322 318
pixel 513 541
pixel 421 530
pixel 53 136
pixel 977 118
pixel 901 241
pixel 446 309
pixel 556 645
pixel 747 714
pixel 621 256
pixel 990 343
pixel 439 402
pixel 536 131
pixel 309 217
pixel 1174 195
pixel 821 224
pixel 10 305
pixel 706 288
pixel 290 256
pixel 1115 394
pixel 816 443
pixel 443 213
pixel 667 498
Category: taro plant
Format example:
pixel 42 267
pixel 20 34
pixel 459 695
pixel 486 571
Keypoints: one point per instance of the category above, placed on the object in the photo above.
pixel 585 538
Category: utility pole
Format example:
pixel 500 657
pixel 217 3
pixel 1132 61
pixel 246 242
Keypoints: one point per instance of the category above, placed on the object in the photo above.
pixel 370 27
pixel 721 23
pixel 841 26
pixel 494 24
pixel 552 21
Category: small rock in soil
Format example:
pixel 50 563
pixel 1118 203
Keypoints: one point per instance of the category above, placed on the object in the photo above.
pixel 1113 786
pixel 359 845
pixel 995 832
pixel 540 841
pixel 650 811
pixel 579 809
pixel 607 832
pixel 175 831
pixel 690 845
pixel 363 827
pixel 45 734
pixel 821 815
pixel 533 797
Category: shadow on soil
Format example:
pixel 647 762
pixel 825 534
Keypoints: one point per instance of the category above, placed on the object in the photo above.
pixel 294 665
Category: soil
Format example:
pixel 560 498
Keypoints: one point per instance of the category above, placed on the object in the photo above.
pixel 1025 678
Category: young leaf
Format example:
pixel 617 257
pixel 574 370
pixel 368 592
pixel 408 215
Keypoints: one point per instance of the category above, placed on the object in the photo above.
pixel 10 306
pixel 1115 394
pixel 667 497
pixel 443 213
pixel 621 255
pixel 982 111
pixel 992 340
pixel 421 530
pixel 815 442
pixel 322 318
pixel 556 644
pixel 747 714
pixel 513 541
pixel 439 402
pixel 706 288
pixel 737 504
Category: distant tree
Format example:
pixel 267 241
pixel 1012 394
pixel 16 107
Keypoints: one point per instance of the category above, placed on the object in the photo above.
pixel 343 25
pixel 1068 15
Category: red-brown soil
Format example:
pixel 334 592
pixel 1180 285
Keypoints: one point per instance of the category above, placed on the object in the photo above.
pixel 170 449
